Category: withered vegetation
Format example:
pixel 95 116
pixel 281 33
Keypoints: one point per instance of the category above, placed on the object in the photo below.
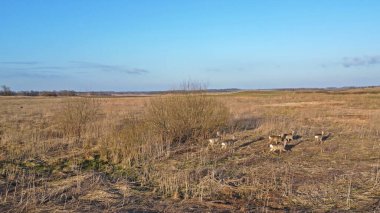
pixel 152 153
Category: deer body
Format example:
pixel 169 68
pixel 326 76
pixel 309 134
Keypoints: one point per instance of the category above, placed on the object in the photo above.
pixel 288 136
pixel 319 137
pixel 275 138
pixel 274 148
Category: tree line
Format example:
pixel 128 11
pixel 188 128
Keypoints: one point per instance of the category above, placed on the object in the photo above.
pixel 6 91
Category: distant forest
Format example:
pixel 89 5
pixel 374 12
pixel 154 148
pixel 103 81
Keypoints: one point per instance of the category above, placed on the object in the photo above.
pixel 6 91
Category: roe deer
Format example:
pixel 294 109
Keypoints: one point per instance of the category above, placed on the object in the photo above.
pixel 275 138
pixel 274 148
pixel 213 141
pixel 288 136
pixel 224 145
pixel 319 137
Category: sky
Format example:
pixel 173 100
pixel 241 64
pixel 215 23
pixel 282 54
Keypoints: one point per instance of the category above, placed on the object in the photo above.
pixel 144 45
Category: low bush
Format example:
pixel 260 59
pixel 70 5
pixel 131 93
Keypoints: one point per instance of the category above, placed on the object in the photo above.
pixel 186 117
pixel 76 115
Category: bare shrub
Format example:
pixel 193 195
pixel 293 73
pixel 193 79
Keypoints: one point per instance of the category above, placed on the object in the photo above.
pixel 76 115
pixel 141 139
pixel 187 116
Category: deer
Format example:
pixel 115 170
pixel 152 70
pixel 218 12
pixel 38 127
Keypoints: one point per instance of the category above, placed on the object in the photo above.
pixel 288 136
pixel 275 138
pixel 224 145
pixel 213 141
pixel 277 147
pixel 319 137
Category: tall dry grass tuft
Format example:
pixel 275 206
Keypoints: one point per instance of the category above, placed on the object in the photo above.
pixel 140 139
pixel 188 116
pixel 75 116
pixel 126 143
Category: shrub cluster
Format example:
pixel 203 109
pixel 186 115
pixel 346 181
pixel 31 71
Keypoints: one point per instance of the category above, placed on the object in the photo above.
pixel 139 141
pixel 188 116
pixel 76 115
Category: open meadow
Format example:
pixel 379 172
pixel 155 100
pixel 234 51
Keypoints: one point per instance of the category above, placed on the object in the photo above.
pixel 153 153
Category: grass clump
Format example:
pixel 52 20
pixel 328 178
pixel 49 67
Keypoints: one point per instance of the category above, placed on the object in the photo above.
pixel 125 143
pixel 187 116
pixel 76 115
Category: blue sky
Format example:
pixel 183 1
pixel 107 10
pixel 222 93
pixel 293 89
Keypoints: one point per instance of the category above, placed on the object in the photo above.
pixel 155 45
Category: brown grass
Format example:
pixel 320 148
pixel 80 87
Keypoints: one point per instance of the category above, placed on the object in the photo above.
pixel 150 153
pixel 76 115
pixel 185 117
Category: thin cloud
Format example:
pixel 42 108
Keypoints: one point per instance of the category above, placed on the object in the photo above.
pixel 20 62
pixel 48 68
pixel 29 69
pixel 360 61
pixel 22 73
pixel 138 71
pixel 107 68
pixel 34 69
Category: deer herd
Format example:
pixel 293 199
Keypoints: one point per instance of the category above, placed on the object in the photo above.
pixel 277 143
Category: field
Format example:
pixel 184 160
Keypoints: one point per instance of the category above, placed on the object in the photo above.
pixel 124 154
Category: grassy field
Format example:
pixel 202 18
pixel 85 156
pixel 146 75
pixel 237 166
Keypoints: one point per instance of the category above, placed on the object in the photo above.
pixel 151 154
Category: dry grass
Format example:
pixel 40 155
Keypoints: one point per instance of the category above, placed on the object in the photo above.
pixel 150 153
pixel 186 117
pixel 76 115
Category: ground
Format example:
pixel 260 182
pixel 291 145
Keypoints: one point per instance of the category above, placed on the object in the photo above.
pixel 41 170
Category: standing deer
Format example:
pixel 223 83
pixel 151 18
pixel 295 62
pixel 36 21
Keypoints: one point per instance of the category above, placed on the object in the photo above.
pixel 275 138
pixel 288 136
pixel 319 137
pixel 277 147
